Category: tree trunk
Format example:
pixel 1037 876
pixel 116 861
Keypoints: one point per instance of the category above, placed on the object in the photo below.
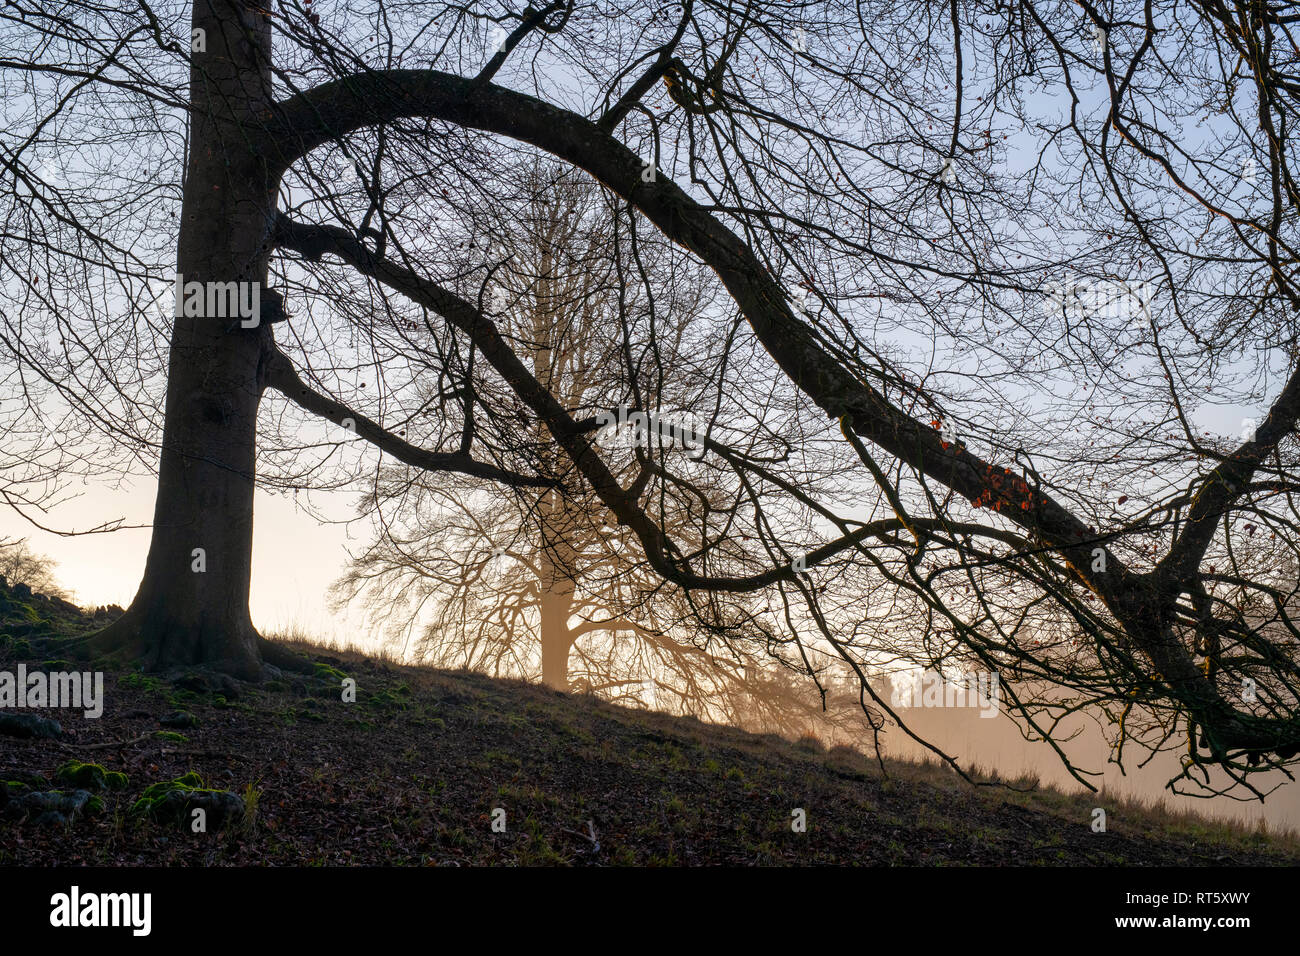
pixel 555 562
pixel 192 605
pixel 556 638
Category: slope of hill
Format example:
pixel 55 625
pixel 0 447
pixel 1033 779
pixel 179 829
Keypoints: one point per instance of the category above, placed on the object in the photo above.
pixel 429 767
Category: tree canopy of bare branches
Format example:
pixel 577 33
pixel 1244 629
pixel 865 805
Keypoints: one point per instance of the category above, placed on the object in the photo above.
pixel 995 265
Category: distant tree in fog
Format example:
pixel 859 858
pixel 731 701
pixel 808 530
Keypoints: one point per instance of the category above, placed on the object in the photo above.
pixel 545 583
pixel 20 565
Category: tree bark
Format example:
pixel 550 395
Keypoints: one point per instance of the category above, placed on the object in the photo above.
pixel 192 605
pixel 556 639
pixel 555 560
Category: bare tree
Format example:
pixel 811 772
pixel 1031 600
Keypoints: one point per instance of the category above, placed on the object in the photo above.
pixel 542 583
pixel 975 244
pixel 19 564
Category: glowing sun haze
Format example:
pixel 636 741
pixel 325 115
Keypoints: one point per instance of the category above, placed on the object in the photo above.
pixel 295 557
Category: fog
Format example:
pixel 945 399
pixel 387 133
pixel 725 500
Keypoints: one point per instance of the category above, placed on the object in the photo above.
pixel 997 744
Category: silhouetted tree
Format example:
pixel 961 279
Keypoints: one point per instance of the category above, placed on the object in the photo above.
pixel 541 583
pixel 20 565
pixel 974 243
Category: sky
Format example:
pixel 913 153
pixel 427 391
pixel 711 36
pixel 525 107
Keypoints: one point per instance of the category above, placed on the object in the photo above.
pixel 295 557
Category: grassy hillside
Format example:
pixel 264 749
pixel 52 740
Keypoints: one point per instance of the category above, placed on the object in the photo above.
pixel 411 772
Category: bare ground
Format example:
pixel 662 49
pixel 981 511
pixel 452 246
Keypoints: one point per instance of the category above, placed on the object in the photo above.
pixel 412 772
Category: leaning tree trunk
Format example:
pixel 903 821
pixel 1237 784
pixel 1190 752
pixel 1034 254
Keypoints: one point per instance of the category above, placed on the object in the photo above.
pixel 192 605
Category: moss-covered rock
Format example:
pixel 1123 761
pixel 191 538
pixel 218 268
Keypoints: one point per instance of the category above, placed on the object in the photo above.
pixel 331 674
pixel 28 726
pixel 190 781
pixel 221 808
pixel 90 776
pixel 174 801
pixel 51 807
pixel 179 720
